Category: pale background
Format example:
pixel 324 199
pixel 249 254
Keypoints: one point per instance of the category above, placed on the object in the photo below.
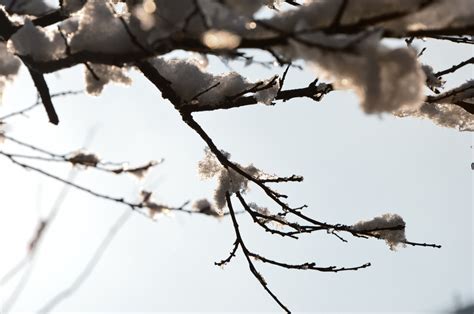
pixel 355 167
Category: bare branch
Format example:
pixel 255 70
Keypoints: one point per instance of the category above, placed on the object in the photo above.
pixel 252 268
pixel 454 68
pixel 43 91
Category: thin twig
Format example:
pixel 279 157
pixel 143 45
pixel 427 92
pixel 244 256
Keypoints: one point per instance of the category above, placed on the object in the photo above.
pixel 454 68
pixel 252 268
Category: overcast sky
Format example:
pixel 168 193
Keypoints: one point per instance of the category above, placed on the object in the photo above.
pixel 355 167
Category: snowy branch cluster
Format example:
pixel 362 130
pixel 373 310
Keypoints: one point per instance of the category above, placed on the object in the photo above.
pixel 344 42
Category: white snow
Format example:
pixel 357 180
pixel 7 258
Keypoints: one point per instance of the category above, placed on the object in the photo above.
pixel 30 7
pixel 204 206
pixel 384 79
pixel 447 115
pixel 432 81
pixel 227 180
pixel 442 110
pixel 100 31
pixel 9 65
pixel 393 238
pixel 267 95
pixel 198 80
pixel 38 43
pixel 106 74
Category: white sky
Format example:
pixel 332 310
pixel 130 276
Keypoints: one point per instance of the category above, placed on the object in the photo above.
pixel 355 167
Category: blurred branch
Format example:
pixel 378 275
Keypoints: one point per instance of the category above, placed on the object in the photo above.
pixel 90 266
pixel 38 102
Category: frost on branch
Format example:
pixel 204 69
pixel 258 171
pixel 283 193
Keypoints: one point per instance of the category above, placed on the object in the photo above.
pixel 389 227
pixel 9 66
pixel 227 179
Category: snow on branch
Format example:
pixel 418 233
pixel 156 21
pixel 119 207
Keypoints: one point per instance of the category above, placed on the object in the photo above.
pixel 201 87
pixel 228 180
pixel 389 227
pixel 342 41
pixel 453 108
pixel 384 79
pixel 9 66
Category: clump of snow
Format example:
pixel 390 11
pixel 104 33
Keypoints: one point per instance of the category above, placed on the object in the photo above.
pixel 260 209
pixel 447 115
pixel 105 75
pixel 209 166
pixel 414 14
pixel 70 26
pixel 29 7
pixel 277 221
pixel 101 31
pixel 432 81
pixel 153 207
pixel 205 207
pixel 37 43
pixel 384 79
pixel 267 95
pixel 9 65
pixel 202 87
pixel 197 81
pixel 442 108
pixel 380 227
pixel 227 179
pixel 232 182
